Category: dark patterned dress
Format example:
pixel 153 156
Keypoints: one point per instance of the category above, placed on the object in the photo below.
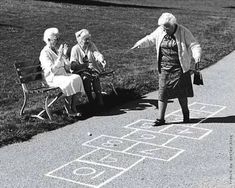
pixel 173 83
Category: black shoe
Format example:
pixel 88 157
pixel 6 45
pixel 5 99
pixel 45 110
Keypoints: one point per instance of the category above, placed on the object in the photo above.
pixel 186 118
pixel 159 122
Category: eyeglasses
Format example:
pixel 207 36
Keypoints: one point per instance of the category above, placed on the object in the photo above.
pixel 55 39
pixel 167 27
pixel 87 39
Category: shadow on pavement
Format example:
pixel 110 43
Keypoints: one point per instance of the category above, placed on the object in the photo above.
pixel 113 104
pixel 126 100
pixel 227 119
pixel 231 7
pixel 140 104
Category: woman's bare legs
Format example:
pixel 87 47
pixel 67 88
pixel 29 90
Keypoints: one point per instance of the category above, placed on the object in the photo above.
pixel 97 90
pixel 185 110
pixel 162 105
pixel 87 83
pixel 162 109
pixel 74 103
pixel 71 103
pixel 77 99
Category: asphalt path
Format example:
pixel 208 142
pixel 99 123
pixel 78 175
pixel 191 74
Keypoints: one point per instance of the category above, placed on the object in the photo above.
pixel 121 149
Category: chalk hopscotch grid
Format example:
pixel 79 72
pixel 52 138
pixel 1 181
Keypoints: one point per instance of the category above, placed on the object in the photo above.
pixel 208 131
pixel 122 170
pixel 152 121
pixel 137 142
pixel 133 145
pixel 49 174
pixel 120 160
pixel 175 114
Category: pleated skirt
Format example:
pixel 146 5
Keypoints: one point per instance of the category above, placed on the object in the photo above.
pixel 174 84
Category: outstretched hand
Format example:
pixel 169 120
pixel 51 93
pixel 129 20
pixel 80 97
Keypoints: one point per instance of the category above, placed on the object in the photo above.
pixel 132 48
pixel 135 46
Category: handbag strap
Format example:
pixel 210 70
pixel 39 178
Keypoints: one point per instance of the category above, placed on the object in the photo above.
pixel 197 66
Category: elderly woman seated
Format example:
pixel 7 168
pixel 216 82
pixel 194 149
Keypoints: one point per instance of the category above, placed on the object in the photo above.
pixel 55 66
pixel 88 62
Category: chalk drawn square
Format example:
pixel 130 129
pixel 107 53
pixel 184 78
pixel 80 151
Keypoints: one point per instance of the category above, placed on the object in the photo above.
pixel 195 118
pixel 174 118
pixel 210 108
pixel 111 158
pixel 149 137
pixel 187 131
pixel 143 124
pixel 193 115
pixel 84 173
pixel 155 152
pixel 109 143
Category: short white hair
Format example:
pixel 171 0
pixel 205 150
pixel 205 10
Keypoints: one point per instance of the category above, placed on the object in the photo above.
pixel 82 34
pixel 167 18
pixel 49 33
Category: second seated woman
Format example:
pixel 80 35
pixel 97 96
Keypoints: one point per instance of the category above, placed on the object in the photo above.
pixel 87 61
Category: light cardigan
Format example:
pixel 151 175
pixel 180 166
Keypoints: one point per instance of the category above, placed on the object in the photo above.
pixel 93 55
pixel 49 59
pixel 188 46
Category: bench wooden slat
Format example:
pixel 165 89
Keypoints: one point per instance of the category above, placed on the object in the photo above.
pixel 28 71
pixel 30 77
pixel 26 64
pixel 24 71
pixel 106 73
pixel 45 89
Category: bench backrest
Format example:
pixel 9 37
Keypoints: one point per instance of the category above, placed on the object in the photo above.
pixel 28 71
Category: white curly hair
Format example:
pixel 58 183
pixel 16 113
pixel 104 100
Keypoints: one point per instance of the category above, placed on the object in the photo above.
pixel 167 18
pixel 82 34
pixel 49 33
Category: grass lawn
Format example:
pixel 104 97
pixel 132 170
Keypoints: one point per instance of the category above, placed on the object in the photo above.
pixel 115 26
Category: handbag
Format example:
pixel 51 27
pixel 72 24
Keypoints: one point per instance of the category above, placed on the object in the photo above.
pixel 197 79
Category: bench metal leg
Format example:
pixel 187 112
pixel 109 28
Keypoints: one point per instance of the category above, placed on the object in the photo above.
pixel 24 103
pixel 47 107
pixel 37 116
pixel 113 88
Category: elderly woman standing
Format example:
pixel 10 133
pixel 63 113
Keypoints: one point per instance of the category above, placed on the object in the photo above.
pixel 87 61
pixel 175 47
pixel 54 64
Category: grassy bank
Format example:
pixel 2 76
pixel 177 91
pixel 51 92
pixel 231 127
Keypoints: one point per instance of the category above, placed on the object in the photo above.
pixel 114 29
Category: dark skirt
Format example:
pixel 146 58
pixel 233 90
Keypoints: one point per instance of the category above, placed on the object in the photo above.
pixel 174 84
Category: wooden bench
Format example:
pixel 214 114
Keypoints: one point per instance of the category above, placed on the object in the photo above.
pixel 31 78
